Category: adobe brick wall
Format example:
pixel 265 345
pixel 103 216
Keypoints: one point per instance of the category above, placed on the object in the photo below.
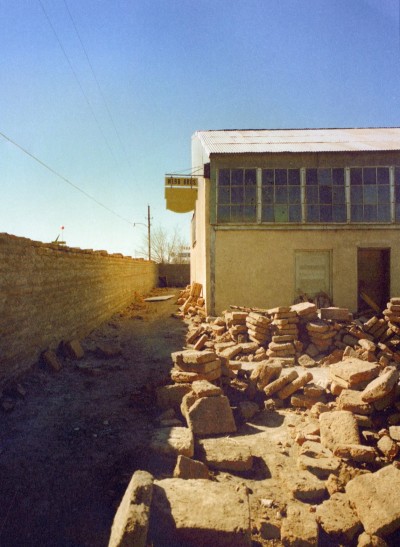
pixel 50 293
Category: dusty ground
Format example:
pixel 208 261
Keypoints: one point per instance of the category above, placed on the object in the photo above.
pixel 69 447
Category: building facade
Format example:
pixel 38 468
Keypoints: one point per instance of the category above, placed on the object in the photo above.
pixel 285 213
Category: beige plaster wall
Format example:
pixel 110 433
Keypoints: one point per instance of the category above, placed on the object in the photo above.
pixel 256 267
pixel 199 263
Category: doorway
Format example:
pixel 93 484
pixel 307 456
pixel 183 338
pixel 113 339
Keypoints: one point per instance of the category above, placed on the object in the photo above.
pixel 373 268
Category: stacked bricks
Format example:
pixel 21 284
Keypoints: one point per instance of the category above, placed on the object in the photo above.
pixel 392 314
pixel 236 324
pixel 381 329
pixel 191 365
pixel 321 334
pixel 285 341
pixel 190 300
pixel 258 328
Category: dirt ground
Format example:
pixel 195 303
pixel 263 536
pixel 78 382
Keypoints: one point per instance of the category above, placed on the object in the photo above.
pixel 71 444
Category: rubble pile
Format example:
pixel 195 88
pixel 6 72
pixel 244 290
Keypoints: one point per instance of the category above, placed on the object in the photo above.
pixel 343 472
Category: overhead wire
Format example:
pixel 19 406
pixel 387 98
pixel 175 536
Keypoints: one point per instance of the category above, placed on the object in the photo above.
pixel 78 81
pixel 65 179
pixel 95 78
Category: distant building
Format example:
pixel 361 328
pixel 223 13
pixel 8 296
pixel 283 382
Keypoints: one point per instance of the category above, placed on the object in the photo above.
pixel 280 213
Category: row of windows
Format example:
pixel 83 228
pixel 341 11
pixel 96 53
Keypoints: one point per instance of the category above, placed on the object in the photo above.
pixel 364 194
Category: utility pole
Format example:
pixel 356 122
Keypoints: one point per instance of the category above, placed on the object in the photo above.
pixel 148 230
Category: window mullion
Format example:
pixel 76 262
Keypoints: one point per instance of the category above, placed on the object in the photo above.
pixel 303 194
pixel 392 195
pixel 347 193
pixel 259 195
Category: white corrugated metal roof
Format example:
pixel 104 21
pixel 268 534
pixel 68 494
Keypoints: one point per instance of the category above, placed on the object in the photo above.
pixel 247 141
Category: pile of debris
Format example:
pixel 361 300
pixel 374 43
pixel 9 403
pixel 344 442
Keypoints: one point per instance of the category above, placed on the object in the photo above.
pixel 346 450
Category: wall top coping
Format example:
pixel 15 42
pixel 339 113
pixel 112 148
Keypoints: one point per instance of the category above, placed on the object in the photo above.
pixel 9 239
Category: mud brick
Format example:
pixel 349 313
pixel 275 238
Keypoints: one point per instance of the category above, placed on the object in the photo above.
pixel 279 309
pixel 211 415
pixel 351 400
pixel 249 347
pixel 370 323
pixel 199 368
pixel 230 353
pixel 351 372
pixel 381 386
pixel 238 329
pixel 280 354
pixel 299 382
pixel 193 357
pixel 259 319
pixel 192 337
pixel 73 349
pixel 203 388
pixel 338 428
pixel 318 326
pixel 279 339
pixel 257 337
pixel 395 300
pixel 280 383
pixel 394 308
pixel 180 376
pixel 252 323
pixel 304 308
pixel 336 314
pixel 280 346
pixel 285 315
pixel 201 342
pixel 322 335
pixel 51 360
pixel 300 400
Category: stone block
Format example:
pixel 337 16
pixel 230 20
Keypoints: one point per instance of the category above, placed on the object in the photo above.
pixel 338 427
pixel 172 441
pixel 186 468
pixel 299 528
pixel 211 416
pixel 375 499
pixel 131 521
pixel 337 519
pixel 199 512
pixel 225 454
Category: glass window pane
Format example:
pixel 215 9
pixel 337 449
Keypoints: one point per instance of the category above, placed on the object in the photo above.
pixel 250 177
pixel 281 213
pixel 224 177
pixel 294 177
pixel 383 175
pixel 356 195
pixel 370 213
pixel 249 213
pixel 224 194
pixel 312 194
pixel 281 194
pixel 237 177
pixel 324 177
pixel 338 177
pixel 355 175
pixel 237 194
pixel 325 194
pixel 383 195
pixel 223 213
pixel 268 194
pixel 339 213
pixel 294 194
pixel 370 195
pixel 267 214
pixel 280 176
pixel 311 177
pixel 338 195
pixel 250 194
pixel 397 176
pixel 397 194
pixel 397 212
pixel 294 213
pixel 356 213
pixel 237 213
pixel 312 213
pixel 384 213
pixel 267 176
pixel 326 213
pixel 369 175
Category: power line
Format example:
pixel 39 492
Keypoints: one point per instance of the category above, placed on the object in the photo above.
pixel 78 81
pixel 95 77
pixel 43 164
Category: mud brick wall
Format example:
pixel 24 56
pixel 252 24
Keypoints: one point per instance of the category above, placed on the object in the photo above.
pixel 50 293
pixel 175 275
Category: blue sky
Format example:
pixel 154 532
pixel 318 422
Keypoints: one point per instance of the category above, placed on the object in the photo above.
pixel 162 70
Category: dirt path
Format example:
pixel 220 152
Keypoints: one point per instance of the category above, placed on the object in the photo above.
pixel 69 447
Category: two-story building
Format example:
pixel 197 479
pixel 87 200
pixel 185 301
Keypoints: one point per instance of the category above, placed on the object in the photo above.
pixel 281 213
